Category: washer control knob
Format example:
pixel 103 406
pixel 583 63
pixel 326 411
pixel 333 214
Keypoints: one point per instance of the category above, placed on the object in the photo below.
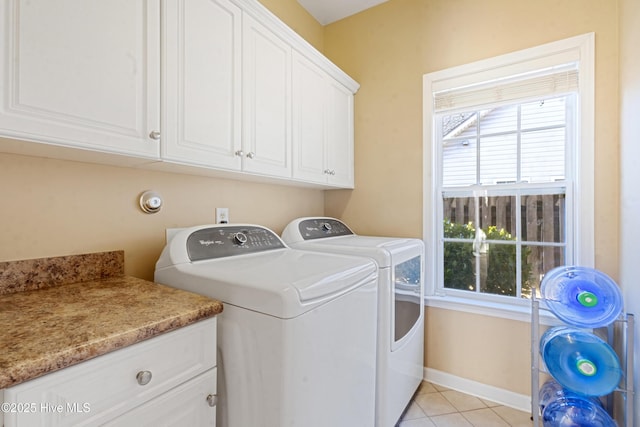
pixel 240 238
pixel 326 226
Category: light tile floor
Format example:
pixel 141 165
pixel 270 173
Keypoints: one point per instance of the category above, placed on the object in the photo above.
pixel 436 406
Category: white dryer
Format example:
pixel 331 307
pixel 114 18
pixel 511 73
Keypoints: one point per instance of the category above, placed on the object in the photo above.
pixel 400 307
pixel 297 336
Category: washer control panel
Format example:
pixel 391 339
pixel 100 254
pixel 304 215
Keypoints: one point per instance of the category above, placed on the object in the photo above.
pixel 225 241
pixel 318 228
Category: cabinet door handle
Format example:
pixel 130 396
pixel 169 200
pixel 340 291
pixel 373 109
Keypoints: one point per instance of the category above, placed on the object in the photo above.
pixel 144 377
pixel 154 135
pixel 212 400
pixel 251 155
pixel 239 153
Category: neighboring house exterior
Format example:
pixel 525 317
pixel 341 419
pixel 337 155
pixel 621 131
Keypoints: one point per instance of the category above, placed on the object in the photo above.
pixel 542 150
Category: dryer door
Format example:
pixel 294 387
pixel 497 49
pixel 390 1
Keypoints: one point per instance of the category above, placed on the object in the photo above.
pixel 407 296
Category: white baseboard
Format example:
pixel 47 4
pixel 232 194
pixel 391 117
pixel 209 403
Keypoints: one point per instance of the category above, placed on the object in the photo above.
pixel 504 397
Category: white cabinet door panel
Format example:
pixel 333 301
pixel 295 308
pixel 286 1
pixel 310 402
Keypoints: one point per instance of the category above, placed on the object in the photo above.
pixel 202 92
pixel 186 405
pixel 81 73
pixel 267 101
pixel 309 121
pixel 340 159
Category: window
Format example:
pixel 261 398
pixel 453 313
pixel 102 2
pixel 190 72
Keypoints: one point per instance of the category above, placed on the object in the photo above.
pixel 509 171
pixel 503 194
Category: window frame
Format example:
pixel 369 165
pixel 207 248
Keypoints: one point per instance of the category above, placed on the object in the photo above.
pixel 579 49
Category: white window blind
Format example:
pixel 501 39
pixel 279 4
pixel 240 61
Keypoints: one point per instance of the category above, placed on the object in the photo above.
pixel 553 81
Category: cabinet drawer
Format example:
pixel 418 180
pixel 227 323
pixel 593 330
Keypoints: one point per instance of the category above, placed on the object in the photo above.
pixel 100 389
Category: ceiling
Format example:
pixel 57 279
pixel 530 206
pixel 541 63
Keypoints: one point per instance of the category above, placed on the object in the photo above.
pixel 328 11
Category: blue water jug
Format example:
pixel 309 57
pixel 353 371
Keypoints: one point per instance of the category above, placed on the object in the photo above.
pixel 560 407
pixel 580 361
pixel 575 411
pixel 551 391
pixel 582 296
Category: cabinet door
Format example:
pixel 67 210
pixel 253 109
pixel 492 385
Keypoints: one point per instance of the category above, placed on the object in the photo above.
pixel 322 126
pixel 81 73
pixel 186 405
pixel 340 135
pixel 309 121
pixel 267 101
pixel 201 98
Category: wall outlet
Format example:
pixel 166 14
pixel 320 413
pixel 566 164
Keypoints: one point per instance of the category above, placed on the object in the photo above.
pixel 222 215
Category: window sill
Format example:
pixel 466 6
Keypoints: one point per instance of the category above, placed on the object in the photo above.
pixel 521 313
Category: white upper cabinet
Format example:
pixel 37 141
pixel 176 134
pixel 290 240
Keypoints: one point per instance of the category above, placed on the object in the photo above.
pixel 226 99
pixel 322 126
pixel 210 87
pixel 81 73
pixel 201 86
pixel 267 101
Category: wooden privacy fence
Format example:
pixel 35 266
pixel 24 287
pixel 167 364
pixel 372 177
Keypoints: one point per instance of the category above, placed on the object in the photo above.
pixel 542 221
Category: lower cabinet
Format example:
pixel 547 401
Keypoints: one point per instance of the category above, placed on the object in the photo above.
pixel 168 380
pixel 190 404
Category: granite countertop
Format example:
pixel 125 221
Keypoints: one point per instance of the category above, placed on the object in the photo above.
pixel 56 312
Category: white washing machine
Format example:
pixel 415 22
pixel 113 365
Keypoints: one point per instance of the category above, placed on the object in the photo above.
pixel 400 307
pixel 297 336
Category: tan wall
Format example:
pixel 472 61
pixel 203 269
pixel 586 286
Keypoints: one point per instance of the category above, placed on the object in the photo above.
pixel 52 207
pixel 387 49
pixel 482 334
pixel 296 17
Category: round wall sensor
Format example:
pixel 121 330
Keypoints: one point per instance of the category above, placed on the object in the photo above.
pixel 150 202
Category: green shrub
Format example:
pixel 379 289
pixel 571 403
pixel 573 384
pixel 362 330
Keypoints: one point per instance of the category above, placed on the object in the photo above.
pixel 459 261
pixel 459 265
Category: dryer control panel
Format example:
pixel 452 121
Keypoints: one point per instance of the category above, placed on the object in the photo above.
pixel 229 240
pixel 318 228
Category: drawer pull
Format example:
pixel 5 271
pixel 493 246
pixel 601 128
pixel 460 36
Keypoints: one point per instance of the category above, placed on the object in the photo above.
pixel 212 400
pixel 143 377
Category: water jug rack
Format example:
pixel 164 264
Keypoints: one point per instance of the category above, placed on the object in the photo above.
pixel 619 335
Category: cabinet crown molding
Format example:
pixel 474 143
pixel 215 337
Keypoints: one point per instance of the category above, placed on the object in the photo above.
pixel 267 18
